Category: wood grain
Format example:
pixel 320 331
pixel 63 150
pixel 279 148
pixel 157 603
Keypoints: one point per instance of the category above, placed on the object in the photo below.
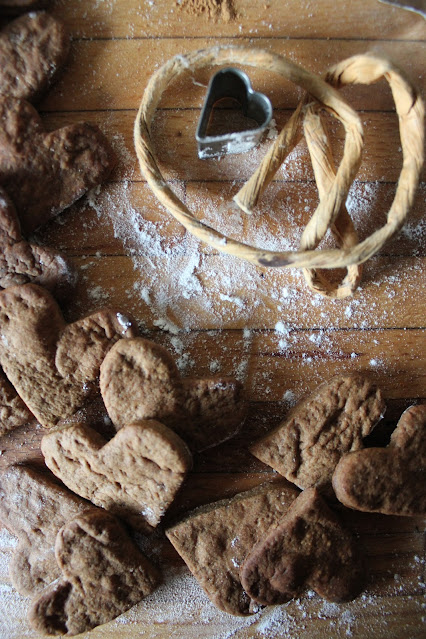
pixel 163 19
pixel 217 316
pixel 99 75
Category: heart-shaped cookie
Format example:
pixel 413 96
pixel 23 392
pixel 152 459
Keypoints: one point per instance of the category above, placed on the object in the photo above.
pixel 308 548
pixel 54 366
pixel 21 262
pixel 42 172
pixel 215 539
pixel 140 380
pixel 34 508
pixel 307 446
pixel 33 48
pixel 135 475
pixel 388 480
pixel 103 574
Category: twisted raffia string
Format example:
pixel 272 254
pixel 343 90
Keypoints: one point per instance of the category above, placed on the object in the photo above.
pixel 333 190
pixel 319 146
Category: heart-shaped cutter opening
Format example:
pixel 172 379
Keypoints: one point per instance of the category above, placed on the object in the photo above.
pixel 235 84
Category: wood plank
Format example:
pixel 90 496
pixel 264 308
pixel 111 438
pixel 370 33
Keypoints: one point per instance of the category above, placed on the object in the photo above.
pixel 112 74
pixel 189 290
pixel 101 221
pixel 175 147
pixel 192 616
pixel 163 19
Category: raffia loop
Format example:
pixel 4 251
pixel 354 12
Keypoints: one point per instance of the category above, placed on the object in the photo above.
pixel 342 228
pixel 333 185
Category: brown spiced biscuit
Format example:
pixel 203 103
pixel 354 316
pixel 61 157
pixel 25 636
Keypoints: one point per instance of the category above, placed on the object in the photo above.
pixel 54 366
pixel 34 507
pixel 214 540
pixel 308 548
pixel 389 480
pixel 307 446
pixel 42 172
pixel 21 262
pixel 13 412
pixel 33 48
pixel 103 575
pixel 12 7
pixel 214 410
pixel 140 380
pixel 135 475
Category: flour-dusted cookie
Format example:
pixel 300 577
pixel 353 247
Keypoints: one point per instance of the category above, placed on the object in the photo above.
pixel 34 507
pixel 214 540
pixel 43 172
pixel 22 262
pixel 389 480
pixel 54 366
pixel 103 575
pixel 135 475
pixel 140 380
pixel 306 447
pixel 309 548
pixel 33 49
pixel 13 412
pixel 214 410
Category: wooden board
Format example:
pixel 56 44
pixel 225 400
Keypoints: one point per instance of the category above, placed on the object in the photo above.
pixel 219 315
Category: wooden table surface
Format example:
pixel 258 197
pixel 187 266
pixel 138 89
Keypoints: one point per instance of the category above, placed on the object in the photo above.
pixel 218 315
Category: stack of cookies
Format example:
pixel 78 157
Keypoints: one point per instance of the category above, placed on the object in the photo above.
pixel 41 173
pixel 71 540
pixel 267 545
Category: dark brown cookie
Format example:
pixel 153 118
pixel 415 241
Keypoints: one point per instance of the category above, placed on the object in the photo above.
pixel 13 412
pixel 103 574
pixel 34 507
pixel 42 172
pixel 21 262
pixel 54 366
pixel 33 49
pixel 389 480
pixel 140 380
pixel 214 540
pixel 306 447
pixel 135 475
pixel 12 7
pixel 308 548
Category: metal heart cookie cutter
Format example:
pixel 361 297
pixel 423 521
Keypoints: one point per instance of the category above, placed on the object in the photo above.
pixel 232 83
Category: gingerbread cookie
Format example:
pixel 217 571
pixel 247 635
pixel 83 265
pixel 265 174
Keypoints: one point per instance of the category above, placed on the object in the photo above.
pixel 33 48
pixel 13 412
pixel 34 507
pixel 53 366
pixel 214 540
pixel 21 262
pixel 42 172
pixel 308 548
pixel 307 446
pixel 139 380
pixel 389 480
pixel 136 475
pixel 103 574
